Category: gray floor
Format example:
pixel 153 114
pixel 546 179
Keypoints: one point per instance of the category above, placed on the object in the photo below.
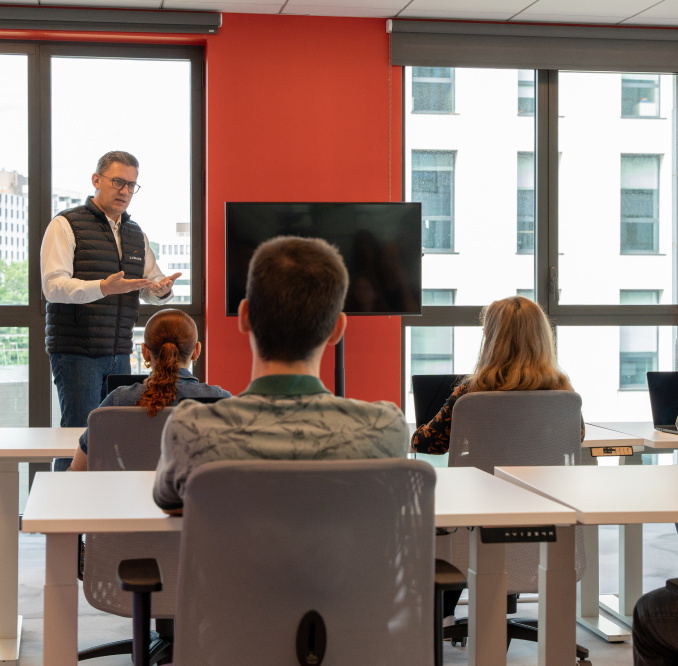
pixel 660 562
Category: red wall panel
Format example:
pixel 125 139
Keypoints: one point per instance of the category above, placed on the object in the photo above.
pixel 298 110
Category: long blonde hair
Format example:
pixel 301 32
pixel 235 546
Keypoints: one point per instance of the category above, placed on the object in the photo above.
pixel 518 352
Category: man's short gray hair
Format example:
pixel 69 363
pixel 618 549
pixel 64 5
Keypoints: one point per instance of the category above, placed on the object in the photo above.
pixel 116 156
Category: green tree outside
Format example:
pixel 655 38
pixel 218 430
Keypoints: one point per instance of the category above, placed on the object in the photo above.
pixel 14 282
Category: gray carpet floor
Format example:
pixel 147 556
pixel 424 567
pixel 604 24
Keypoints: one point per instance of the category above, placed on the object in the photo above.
pixel 660 562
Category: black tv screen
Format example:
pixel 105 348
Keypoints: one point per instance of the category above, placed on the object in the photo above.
pixel 380 244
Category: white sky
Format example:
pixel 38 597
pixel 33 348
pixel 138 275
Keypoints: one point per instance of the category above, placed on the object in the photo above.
pixel 141 106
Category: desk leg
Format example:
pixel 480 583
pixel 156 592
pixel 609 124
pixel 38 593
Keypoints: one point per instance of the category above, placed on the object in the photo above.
pixel 630 566
pixel 557 600
pixel 10 621
pixel 487 603
pixel 60 646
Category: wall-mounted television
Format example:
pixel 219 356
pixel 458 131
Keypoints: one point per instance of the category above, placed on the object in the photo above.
pixel 380 244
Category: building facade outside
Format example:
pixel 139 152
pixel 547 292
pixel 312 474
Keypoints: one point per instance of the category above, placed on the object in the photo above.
pixel 469 159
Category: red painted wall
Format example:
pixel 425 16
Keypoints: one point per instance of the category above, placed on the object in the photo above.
pixel 298 110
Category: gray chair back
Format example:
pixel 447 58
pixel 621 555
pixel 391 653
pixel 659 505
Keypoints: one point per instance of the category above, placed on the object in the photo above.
pixel 264 542
pixel 126 438
pixel 503 428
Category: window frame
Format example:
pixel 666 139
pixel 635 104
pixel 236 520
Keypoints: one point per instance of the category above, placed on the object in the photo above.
pixel 546 259
pixel 32 316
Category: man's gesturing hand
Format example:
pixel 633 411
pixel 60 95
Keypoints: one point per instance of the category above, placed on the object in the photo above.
pixel 163 287
pixel 117 284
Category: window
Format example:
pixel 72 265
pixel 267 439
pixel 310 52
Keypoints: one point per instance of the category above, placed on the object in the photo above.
pixel 639 204
pixel 438 296
pixel 181 249
pixel 640 95
pixel 638 345
pixel 525 92
pixel 525 203
pixel 432 90
pixel 164 249
pixel 433 186
pixel 527 293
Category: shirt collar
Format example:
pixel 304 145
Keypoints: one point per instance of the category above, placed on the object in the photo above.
pixel 186 376
pixel 285 385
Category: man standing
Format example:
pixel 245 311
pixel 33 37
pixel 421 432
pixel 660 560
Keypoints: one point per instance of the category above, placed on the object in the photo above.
pixel 95 262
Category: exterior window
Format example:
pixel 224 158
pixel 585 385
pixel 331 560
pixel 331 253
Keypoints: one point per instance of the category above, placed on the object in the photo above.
pixel 527 293
pixel 638 345
pixel 181 249
pixel 164 249
pixel 433 186
pixel 640 96
pixel 432 350
pixel 432 90
pixel 525 92
pixel 438 296
pixel 639 204
pixel 525 203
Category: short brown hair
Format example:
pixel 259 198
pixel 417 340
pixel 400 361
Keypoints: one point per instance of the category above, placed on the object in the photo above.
pixel 105 161
pixel 296 289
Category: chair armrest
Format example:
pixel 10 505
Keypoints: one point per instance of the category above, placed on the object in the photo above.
pixel 448 577
pixel 139 576
pixel 672 585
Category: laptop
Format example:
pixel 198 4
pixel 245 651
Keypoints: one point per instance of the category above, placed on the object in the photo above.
pixel 430 393
pixel 663 388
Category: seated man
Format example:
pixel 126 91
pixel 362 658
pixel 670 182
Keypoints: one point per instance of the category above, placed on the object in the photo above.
pixel 295 294
pixel 655 629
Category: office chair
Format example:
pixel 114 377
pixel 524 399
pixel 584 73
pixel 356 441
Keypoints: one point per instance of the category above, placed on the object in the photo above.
pixel 126 438
pixel 333 558
pixel 504 428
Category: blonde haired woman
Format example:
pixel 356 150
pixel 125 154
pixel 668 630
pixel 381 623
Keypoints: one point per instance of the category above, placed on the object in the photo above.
pixel 518 353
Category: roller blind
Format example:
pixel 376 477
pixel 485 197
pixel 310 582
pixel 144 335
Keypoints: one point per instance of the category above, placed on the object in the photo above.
pixel 108 20
pixel 513 46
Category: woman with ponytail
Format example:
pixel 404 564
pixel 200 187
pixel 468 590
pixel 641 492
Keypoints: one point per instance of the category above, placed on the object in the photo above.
pixel 518 353
pixel 170 346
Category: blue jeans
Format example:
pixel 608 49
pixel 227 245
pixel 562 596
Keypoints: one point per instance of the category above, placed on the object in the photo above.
pixel 81 383
pixel 655 629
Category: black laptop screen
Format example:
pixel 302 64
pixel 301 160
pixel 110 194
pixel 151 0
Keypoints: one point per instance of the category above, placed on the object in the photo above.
pixel 663 397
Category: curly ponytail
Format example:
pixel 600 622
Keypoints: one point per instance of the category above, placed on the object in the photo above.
pixel 170 336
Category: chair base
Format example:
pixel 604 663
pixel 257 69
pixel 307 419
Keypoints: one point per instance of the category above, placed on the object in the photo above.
pixel 160 651
pixel 520 629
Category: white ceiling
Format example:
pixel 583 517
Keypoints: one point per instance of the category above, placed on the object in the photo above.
pixel 626 12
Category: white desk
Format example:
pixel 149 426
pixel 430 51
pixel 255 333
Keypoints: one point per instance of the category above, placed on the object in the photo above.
pixel 598 436
pixel 626 495
pixel 644 430
pixel 468 497
pixel 122 502
pixel 116 502
pixel 20 445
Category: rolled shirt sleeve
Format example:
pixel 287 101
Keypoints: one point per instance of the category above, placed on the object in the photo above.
pixel 152 272
pixel 56 267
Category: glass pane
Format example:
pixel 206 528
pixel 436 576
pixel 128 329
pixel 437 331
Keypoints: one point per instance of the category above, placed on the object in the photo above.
pixel 14 180
pixel 615 195
pixel 473 173
pixel 14 377
pixel 525 92
pixel 153 123
pixel 607 366
pixel 640 96
pixel 432 90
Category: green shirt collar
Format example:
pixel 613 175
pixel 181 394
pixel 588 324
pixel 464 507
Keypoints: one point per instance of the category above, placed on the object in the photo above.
pixel 285 385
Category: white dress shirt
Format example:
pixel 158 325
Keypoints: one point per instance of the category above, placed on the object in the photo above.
pixel 56 267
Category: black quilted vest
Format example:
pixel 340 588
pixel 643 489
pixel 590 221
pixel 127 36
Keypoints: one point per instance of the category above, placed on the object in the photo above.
pixel 103 327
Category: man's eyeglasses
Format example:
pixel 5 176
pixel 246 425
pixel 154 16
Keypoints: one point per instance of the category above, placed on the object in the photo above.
pixel 119 183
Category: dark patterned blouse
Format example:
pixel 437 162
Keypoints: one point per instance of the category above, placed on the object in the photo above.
pixel 434 437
